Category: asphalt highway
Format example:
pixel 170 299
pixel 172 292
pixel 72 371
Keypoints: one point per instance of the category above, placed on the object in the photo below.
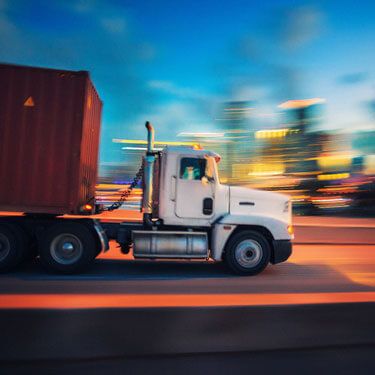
pixel 314 274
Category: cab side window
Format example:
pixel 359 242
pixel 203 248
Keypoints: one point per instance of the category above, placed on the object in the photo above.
pixel 192 168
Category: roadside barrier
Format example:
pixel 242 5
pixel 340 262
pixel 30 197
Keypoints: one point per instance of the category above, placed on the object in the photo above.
pixel 45 334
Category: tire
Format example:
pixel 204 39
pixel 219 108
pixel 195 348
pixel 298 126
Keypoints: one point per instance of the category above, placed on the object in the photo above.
pixel 67 248
pixel 247 253
pixel 13 246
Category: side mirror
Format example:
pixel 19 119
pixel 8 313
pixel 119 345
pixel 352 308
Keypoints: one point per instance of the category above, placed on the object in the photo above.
pixel 204 180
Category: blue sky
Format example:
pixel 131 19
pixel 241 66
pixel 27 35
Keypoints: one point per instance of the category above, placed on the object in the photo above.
pixel 174 62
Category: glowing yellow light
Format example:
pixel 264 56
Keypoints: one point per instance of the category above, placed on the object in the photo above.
pixel 334 176
pixel 268 169
pixel 86 208
pixel 272 133
pixel 334 161
pixel 369 165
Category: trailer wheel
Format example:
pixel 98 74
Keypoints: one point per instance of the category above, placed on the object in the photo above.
pixel 13 246
pixel 247 253
pixel 67 248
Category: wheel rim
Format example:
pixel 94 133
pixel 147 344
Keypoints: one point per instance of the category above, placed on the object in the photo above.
pixel 4 247
pixel 248 253
pixel 66 248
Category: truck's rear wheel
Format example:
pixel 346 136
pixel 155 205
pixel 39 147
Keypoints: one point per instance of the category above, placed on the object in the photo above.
pixel 13 246
pixel 247 253
pixel 67 247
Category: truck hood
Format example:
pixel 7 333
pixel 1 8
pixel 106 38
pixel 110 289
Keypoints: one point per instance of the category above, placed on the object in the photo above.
pixel 247 201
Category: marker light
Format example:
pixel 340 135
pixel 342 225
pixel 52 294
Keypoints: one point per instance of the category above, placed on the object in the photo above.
pixel 87 208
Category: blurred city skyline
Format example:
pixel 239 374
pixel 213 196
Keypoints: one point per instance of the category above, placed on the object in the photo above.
pixel 176 63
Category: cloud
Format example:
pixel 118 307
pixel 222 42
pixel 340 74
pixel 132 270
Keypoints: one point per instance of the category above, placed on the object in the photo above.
pixel 249 48
pixel 260 64
pixel 10 36
pixel 114 25
pixel 83 6
pixel 174 90
pixel 146 51
pixel 291 28
pixel 195 104
pixel 110 16
pixel 250 92
pixel 172 118
pixel 7 28
pixel 301 26
pixel 370 106
pixel 3 4
pixel 353 78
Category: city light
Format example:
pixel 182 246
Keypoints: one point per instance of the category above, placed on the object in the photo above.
pixel 274 133
pixel 301 103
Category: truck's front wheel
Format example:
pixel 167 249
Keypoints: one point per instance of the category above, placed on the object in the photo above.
pixel 67 247
pixel 247 253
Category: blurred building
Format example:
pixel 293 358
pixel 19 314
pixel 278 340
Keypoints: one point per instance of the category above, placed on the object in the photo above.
pixel 291 148
pixel 235 120
pixel 321 170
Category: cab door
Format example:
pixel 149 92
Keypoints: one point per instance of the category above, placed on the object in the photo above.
pixel 194 189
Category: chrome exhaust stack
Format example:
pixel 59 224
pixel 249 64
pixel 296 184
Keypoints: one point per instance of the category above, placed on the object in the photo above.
pixel 149 161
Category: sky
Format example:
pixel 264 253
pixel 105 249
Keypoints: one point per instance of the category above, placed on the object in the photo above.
pixel 175 62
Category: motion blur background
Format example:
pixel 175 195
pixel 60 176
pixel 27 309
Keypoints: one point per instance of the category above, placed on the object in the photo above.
pixel 283 90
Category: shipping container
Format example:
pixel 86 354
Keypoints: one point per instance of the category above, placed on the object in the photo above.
pixel 49 140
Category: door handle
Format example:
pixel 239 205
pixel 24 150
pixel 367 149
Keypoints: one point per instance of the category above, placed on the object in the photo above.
pixel 208 205
pixel 172 189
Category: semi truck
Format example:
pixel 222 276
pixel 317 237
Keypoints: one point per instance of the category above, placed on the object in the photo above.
pixel 49 140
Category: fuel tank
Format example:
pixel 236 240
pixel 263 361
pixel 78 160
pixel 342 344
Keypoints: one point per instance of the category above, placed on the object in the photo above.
pixel 169 244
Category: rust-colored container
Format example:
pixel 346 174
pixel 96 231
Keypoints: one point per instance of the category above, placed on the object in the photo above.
pixel 49 140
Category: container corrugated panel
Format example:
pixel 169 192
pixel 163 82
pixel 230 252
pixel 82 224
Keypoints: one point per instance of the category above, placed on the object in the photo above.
pixel 49 139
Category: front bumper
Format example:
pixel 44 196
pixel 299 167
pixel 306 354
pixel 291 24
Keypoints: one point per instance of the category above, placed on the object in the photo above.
pixel 282 249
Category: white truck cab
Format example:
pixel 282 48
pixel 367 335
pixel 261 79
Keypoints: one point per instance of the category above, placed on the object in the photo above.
pixel 188 213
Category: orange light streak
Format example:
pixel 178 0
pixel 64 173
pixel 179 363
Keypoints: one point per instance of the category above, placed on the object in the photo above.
pixel 79 301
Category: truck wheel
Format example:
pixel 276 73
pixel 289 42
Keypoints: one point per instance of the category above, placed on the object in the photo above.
pixel 247 253
pixel 13 246
pixel 67 248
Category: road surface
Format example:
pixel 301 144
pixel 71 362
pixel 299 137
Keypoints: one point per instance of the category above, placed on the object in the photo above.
pixel 314 274
pixel 333 260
